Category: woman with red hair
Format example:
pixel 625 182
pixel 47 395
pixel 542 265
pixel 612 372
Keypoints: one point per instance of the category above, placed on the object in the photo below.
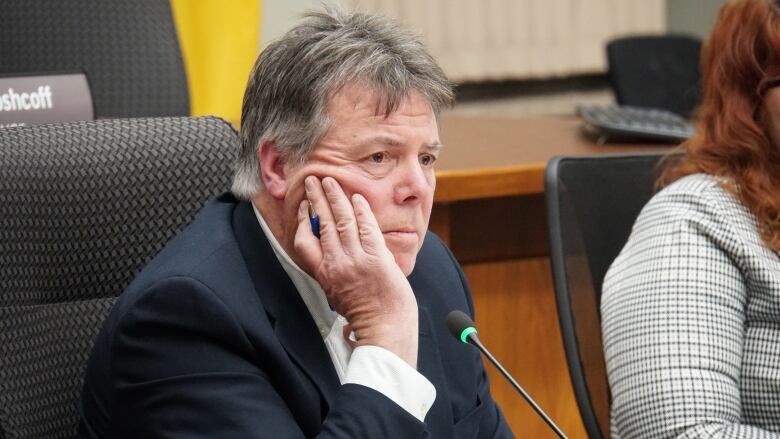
pixel 691 307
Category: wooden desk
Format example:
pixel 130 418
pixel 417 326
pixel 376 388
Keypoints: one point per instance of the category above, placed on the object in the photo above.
pixel 489 208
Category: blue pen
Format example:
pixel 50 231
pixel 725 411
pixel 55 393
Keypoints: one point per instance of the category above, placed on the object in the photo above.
pixel 315 222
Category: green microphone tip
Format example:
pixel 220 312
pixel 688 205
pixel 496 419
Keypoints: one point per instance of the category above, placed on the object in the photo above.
pixel 466 332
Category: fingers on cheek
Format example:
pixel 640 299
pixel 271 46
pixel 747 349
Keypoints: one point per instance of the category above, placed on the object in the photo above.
pixel 370 235
pixel 363 212
pixel 359 204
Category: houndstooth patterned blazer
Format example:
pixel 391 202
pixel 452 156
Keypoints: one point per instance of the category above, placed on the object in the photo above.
pixel 691 320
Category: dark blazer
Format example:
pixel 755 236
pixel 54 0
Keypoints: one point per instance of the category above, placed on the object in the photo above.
pixel 213 340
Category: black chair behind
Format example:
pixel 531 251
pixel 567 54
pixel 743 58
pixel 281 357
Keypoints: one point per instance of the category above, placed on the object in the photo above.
pixel 656 72
pixel 128 49
pixel 592 203
pixel 83 207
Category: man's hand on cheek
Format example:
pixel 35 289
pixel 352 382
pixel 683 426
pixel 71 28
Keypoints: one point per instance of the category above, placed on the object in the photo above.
pixel 358 273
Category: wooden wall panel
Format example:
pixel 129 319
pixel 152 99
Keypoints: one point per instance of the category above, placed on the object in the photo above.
pixel 518 322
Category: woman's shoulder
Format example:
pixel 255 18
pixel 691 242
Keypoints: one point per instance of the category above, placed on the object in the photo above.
pixel 700 205
pixel 700 193
pixel 697 184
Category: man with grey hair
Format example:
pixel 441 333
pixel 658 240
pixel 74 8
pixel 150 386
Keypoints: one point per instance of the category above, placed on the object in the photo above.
pixel 311 302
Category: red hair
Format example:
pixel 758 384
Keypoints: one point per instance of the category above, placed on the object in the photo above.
pixel 739 61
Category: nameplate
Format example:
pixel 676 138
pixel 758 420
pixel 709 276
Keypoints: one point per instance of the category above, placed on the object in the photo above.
pixel 38 99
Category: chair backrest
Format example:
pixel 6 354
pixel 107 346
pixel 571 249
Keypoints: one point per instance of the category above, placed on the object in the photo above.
pixel 128 49
pixel 592 203
pixel 83 207
pixel 656 72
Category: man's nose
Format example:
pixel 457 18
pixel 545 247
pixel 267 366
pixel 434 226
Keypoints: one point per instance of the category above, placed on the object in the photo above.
pixel 413 183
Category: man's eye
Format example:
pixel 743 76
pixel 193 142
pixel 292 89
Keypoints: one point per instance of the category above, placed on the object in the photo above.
pixel 427 160
pixel 378 157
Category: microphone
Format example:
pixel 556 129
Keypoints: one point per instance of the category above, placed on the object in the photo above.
pixel 463 328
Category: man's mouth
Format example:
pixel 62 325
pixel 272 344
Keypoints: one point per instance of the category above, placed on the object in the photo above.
pixel 401 238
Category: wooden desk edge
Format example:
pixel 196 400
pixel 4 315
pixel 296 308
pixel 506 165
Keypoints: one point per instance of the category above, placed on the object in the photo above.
pixel 452 186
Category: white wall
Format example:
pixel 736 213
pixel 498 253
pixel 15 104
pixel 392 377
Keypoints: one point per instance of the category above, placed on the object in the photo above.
pixel 693 17
pixel 278 16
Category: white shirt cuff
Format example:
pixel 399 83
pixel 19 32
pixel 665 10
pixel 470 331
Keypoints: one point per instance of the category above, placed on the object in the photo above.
pixel 385 372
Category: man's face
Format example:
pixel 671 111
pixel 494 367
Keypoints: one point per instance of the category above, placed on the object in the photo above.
pixel 389 160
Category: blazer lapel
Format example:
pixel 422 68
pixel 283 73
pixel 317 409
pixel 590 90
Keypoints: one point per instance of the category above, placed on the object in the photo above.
pixel 293 325
pixel 439 417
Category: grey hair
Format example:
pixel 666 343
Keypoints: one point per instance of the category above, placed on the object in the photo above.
pixel 288 90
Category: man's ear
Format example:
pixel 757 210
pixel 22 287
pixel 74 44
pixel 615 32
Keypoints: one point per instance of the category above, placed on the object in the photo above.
pixel 272 169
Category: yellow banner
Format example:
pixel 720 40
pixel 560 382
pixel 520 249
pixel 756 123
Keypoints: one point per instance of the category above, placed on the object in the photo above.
pixel 219 42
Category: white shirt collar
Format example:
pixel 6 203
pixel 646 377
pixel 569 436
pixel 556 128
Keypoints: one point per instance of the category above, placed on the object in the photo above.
pixel 307 287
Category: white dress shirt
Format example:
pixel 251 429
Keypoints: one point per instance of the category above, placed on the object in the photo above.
pixel 370 366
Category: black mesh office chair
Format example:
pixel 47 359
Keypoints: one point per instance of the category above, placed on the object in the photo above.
pixel 656 72
pixel 592 203
pixel 83 207
pixel 128 49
